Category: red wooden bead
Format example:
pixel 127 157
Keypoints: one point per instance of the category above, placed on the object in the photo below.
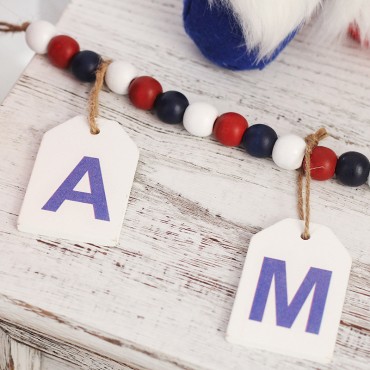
pixel 61 50
pixel 323 163
pixel 229 128
pixel 143 91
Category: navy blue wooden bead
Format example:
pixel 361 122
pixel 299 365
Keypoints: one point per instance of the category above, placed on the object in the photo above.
pixel 170 106
pixel 259 140
pixel 84 65
pixel 352 169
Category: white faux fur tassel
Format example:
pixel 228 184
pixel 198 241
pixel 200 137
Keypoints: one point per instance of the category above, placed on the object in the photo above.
pixel 266 23
pixel 338 15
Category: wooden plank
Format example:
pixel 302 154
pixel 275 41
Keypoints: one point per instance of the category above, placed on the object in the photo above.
pixel 6 362
pixel 54 354
pixel 162 298
pixel 17 356
pixel 24 357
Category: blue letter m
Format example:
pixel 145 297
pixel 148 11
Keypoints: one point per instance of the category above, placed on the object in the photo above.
pixel 66 191
pixel 316 278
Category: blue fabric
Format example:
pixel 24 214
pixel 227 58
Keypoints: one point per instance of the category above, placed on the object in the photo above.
pixel 219 37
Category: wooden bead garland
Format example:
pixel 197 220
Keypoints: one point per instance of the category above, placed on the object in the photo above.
pixel 199 119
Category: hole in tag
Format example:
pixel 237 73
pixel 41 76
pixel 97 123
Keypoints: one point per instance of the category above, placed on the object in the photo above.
pixel 95 132
pixel 305 238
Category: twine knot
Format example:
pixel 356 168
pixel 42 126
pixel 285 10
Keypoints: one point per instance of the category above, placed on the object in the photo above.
pixel 312 141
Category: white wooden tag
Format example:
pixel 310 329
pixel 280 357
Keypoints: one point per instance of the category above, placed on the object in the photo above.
pixel 291 292
pixel 80 183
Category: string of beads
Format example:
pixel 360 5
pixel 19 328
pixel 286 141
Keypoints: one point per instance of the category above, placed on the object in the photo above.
pixel 199 118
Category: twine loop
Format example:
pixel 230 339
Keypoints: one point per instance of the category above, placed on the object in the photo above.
pixel 10 27
pixel 94 96
pixel 312 141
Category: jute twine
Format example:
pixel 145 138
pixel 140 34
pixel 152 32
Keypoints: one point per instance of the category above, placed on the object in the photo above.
pixel 93 105
pixel 304 208
pixel 10 27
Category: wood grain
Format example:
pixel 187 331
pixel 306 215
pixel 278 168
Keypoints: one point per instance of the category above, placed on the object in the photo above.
pixel 162 298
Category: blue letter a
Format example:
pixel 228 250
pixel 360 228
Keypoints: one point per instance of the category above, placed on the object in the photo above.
pixel 316 278
pixel 66 191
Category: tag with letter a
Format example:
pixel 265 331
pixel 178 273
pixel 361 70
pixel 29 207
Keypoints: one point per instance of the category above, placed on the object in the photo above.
pixel 291 292
pixel 80 183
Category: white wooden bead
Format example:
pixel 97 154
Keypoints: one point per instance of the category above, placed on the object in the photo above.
pixel 199 119
pixel 288 152
pixel 39 34
pixel 119 76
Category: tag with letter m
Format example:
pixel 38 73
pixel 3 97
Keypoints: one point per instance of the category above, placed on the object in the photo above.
pixel 291 292
pixel 316 279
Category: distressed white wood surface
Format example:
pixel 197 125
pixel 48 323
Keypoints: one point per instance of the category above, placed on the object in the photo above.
pixel 162 298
